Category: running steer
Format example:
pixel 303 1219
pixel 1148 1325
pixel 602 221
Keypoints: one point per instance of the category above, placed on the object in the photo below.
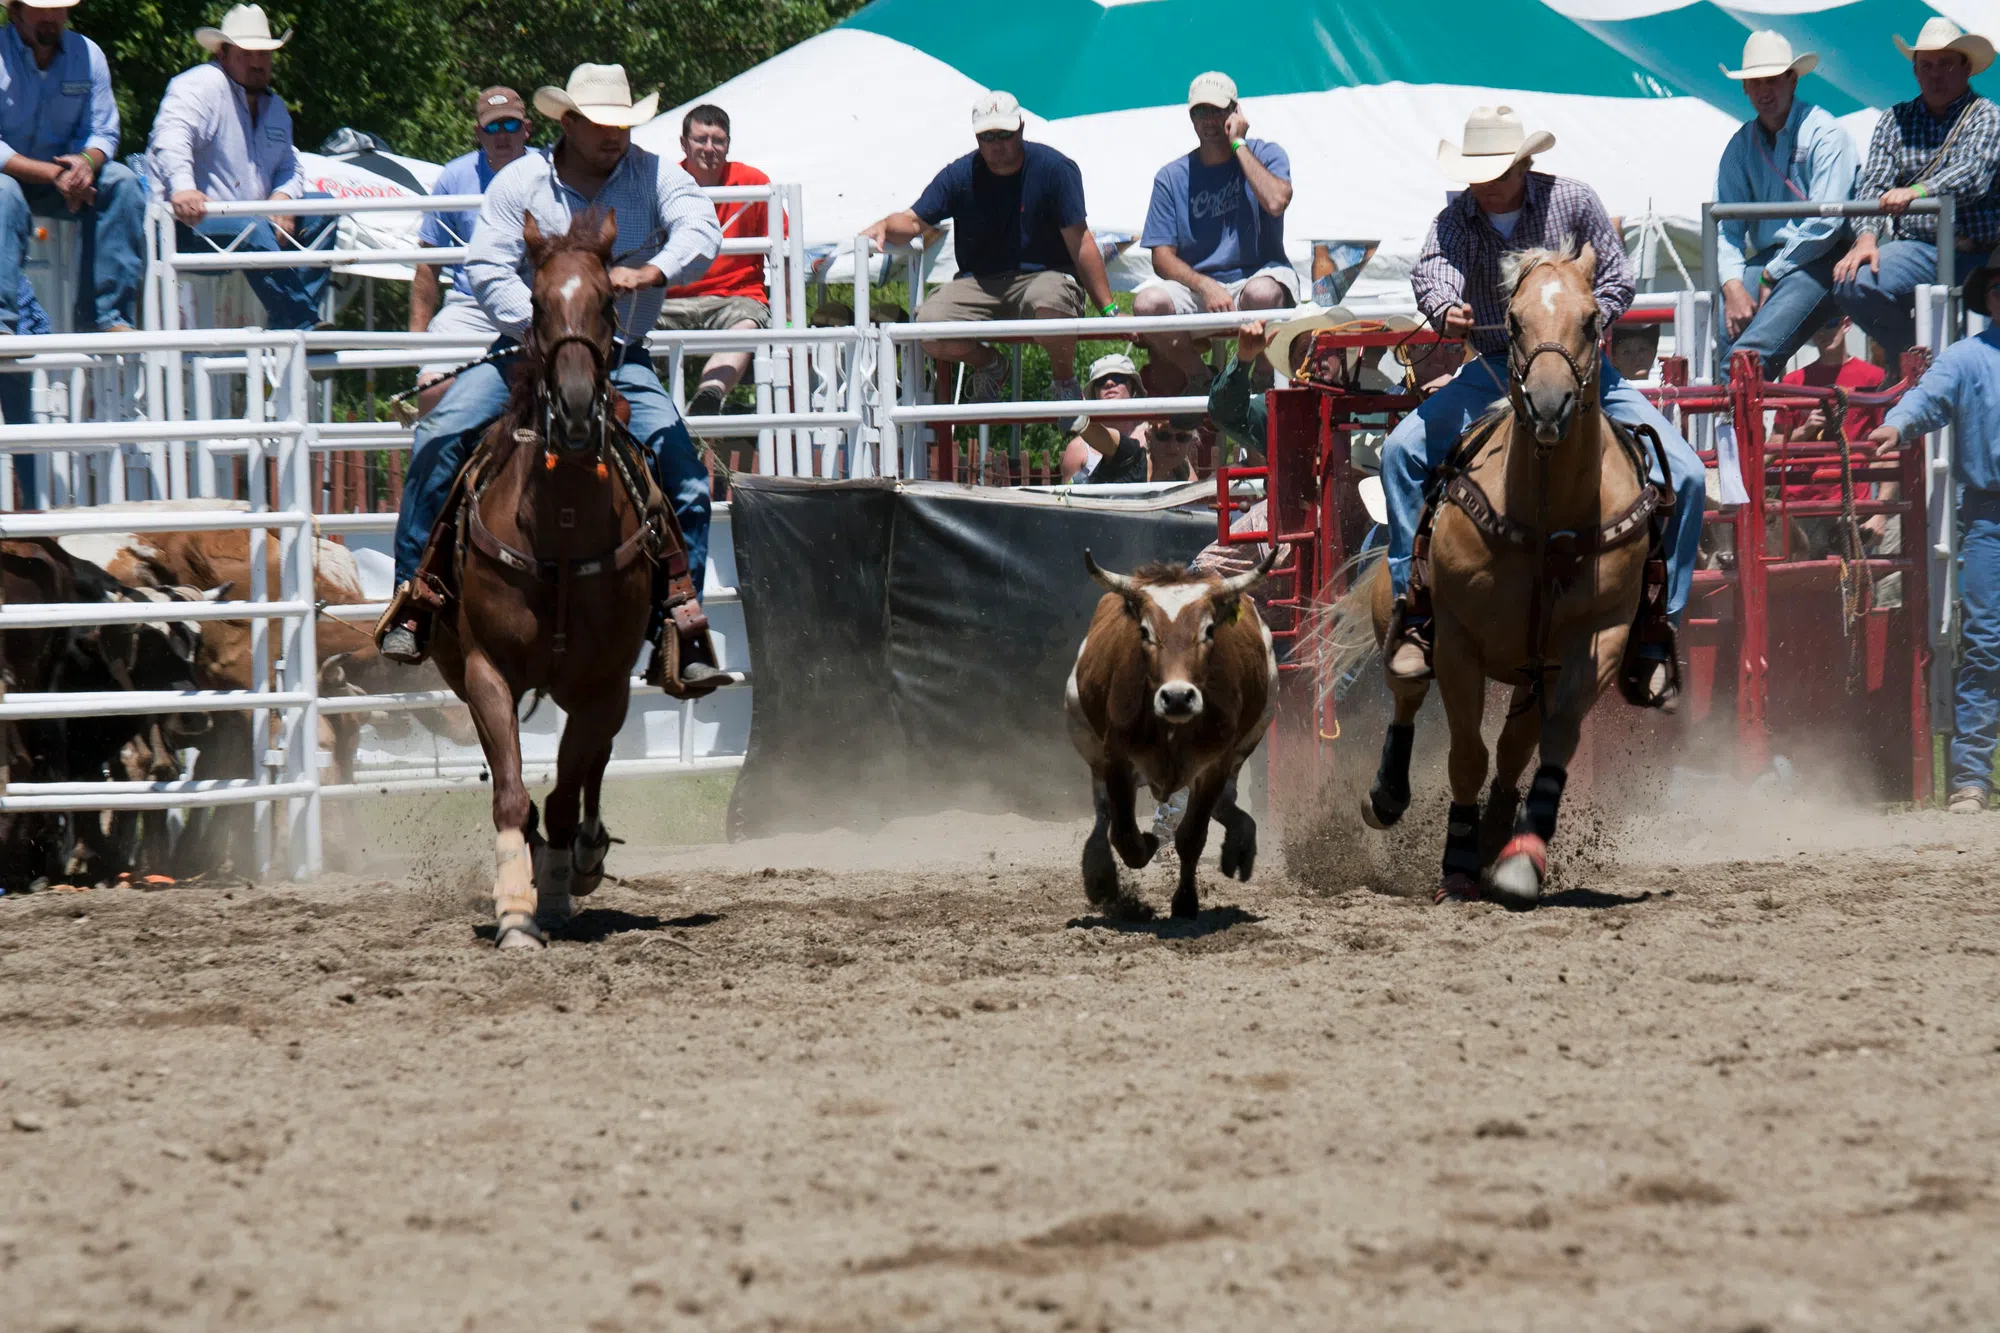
pixel 1174 685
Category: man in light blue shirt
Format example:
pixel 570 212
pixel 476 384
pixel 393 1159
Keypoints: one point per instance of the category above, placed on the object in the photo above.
pixel 58 136
pixel 1962 387
pixel 666 226
pixel 1777 273
pixel 502 126
pixel 222 134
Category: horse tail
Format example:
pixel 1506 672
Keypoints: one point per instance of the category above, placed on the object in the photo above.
pixel 1339 635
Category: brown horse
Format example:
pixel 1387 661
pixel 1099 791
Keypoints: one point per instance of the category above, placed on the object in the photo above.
pixel 1536 566
pixel 554 581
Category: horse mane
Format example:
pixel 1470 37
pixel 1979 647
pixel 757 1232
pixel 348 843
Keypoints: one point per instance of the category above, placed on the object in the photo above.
pixel 1516 265
pixel 527 374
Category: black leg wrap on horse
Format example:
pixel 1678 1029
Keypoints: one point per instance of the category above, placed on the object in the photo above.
pixel 1545 793
pixel 1390 796
pixel 1461 840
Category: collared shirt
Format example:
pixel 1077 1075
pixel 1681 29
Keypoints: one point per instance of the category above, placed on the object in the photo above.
pixel 464 174
pixel 65 108
pixel 1461 256
pixel 204 139
pixel 1810 158
pixel 1962 387
pixel 663 219
pixel 1906 138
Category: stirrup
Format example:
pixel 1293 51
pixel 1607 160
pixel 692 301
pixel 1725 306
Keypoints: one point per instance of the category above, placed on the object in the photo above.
pixel 1637 671
pixel 404 631
pixel 678 666
pixel 1407 631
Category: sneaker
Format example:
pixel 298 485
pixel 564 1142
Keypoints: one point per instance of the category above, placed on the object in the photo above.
pixel 1968 801
pixel 400 645
pixel 985 383
pixel 707 401
pixel 1066 390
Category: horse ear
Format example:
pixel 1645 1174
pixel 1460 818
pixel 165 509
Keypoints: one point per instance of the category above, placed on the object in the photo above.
pixel 607 234
pixel 1586 259
pixel 531 236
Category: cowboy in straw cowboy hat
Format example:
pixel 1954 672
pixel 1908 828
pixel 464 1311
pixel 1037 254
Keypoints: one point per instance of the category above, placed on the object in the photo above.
pixel 1507 206
pixel 1943 141
pixel 222 134
pixel 1777 273
pixel 59 118
pixel 666 235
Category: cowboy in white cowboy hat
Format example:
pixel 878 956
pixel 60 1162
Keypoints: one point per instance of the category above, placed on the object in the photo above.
pixel 1946 140
pixel 1507 206
pixel 667 234
pixel 59 134
pixel 222 134
pixel 1777 273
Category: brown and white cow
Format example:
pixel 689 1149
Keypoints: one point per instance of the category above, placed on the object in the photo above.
pixel 1174 686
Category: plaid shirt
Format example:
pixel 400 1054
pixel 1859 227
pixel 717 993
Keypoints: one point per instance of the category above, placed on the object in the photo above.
pixel 1905 141
pixel 1461 258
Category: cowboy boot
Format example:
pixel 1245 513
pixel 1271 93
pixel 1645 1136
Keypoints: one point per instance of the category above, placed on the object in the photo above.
pixel 1408 644
pixel 404 631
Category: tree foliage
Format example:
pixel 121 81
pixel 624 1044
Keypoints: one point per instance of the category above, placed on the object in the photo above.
pixel 407 70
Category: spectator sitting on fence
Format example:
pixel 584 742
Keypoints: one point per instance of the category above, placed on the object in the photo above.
pixel 1778 272
pixel 58 132
pixel 1945 141
pixel 1108 450
pixel 1961 388
pixel 501 128
pixel 222 134
pixel 1023 244
pixel 1635 349
pixel 732 294
pixel 1216 226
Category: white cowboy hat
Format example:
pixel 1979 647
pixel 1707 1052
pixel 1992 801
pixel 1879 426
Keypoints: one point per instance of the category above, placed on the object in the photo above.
pixel 601 95
pixel 49 4
pixel 1278 348
pixel 1494 141
pixel 1941 34
pixel 244 26
pixel 1767 55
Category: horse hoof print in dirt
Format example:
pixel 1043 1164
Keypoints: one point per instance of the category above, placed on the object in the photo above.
pixel 1175 685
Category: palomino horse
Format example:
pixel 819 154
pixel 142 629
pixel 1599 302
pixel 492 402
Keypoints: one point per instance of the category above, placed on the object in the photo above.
pixel 555 580
pixel 1536 566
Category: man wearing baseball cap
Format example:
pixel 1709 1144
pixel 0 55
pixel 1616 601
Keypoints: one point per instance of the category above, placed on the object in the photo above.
pixel 1216 226
pixel 1023 245
pixel 58 134
pixel 501 128
pixel 1945 140
pixel 1777 273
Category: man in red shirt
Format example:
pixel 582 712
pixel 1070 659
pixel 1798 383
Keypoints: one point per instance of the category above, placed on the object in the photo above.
pixel 732 294
pixel 1834 367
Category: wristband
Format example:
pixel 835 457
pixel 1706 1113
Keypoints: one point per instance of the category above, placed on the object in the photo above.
pixel 1236 145
pixel 1922 191
pixel 1109 310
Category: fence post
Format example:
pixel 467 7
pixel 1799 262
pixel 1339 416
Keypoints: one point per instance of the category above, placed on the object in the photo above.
pixel 1941 539
pixel 888 435
pixel 297 551
pixel 864 300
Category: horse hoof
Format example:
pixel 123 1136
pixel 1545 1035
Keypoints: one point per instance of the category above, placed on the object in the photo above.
pixel 517 930
pixel 1457 888
pixel 1186 907
pixel 1379 813
pixel 553 913
pixel 1516 878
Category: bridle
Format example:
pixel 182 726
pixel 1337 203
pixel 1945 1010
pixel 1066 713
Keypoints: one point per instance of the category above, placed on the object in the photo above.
pixel 1518 365
pixel 600 401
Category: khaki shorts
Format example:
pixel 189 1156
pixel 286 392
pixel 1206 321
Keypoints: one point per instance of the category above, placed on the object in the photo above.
pixel 1003 296
pixel 1185 302
pixel 713 312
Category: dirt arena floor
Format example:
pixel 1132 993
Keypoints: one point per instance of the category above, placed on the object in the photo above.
pixel 1731 1081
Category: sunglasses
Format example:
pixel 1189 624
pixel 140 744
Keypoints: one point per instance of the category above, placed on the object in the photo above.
pixel 1177 436
pixel 506 125
pixel 996 136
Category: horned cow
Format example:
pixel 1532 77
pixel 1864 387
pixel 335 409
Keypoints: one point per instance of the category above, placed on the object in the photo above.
pixel 1174 686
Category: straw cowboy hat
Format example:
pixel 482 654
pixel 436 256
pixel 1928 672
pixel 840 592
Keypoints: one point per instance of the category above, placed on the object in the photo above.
pixel 1494 141
pixel 601 95
pixel 1941 34
pixel 244 26
pixel 1766 55
pixel 1278 348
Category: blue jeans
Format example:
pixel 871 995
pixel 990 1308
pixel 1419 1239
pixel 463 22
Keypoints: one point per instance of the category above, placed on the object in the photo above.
pixel 478 397
pixel 1422 439
pixel 291 296
pixel 114 247
pixel 1884 303
pixel 1798 305
pixel 1976 701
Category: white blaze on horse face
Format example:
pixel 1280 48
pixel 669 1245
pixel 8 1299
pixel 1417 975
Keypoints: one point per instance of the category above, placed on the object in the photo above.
pixel 568 289
pixel 1551 290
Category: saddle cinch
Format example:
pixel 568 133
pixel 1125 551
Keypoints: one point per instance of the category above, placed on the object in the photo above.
pixel 1563 553
pixel 658 540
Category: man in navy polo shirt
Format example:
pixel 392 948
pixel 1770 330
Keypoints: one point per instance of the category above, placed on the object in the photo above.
pixel 1023 245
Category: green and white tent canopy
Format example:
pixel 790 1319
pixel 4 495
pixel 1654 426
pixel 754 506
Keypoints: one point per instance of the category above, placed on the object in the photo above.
pixel 1359 92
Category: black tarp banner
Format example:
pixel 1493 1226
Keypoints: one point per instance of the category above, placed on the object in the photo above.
pixel 909 642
